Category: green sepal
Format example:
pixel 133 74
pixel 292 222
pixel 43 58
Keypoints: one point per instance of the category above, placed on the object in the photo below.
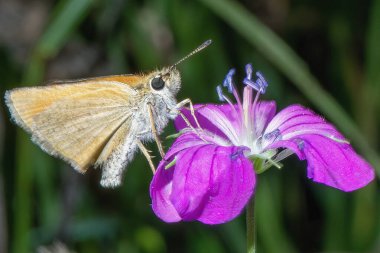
pixel 171 164
pixel 173 136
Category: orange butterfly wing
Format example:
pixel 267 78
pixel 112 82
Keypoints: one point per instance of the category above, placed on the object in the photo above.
pixel 75 120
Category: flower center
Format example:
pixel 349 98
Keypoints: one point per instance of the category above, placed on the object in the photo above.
pixel 244 111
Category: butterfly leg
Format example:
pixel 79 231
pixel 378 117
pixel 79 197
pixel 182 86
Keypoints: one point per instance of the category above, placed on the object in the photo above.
pixel 187 121
pixel 154 131
pixel 191 127
pixel 146 153
pixel 192 111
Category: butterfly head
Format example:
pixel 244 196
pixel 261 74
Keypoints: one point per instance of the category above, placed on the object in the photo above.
pixel 165 80
pixel 169 78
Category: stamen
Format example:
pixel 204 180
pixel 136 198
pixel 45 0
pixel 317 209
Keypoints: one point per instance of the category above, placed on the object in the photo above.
pixel 229 102
pixel 232 90
pixel 263 84
pixel 247 104
pixel 228 81
pixel 300 144
pixel 252 111
pixel 251 83
pixel 238 153
pixel 283 154
pixel 272 136
pixel 267 162
pixel 249 70
pixel 220 93
pixel 260 85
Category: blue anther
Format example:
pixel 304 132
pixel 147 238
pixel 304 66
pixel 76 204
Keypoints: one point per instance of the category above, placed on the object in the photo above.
pixel 251 83
pixel 249 70
pixel 220 93
pixel 239 152
pixel 228 82
pixel 272 136
pixel 300 144
pixel 262 83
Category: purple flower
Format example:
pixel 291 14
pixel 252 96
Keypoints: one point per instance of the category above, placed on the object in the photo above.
pixel 208 174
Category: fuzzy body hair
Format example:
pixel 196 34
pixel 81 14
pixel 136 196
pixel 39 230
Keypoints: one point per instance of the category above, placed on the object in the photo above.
pixel 164 109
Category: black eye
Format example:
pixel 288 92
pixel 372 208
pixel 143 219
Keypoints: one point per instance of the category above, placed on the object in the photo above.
pixel 157 83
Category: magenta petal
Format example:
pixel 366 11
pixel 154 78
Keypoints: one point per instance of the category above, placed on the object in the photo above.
pixel 335 164
pixel 289 144
pixel 297 120
pixel 264 113
pixel 222 120
pixel 190 139
pixel 184 141
pixel 225 120
pixel 180 124
pixel 212 183
pixel 160 190
pixel 330 161
pixel 209 183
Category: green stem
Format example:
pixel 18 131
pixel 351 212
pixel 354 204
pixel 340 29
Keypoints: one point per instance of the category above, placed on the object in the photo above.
pixel 251 226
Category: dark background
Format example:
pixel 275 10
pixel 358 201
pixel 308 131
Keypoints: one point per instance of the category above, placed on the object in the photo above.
pixel 323 54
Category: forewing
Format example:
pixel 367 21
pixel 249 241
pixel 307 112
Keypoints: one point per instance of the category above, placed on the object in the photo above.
pixel 72 121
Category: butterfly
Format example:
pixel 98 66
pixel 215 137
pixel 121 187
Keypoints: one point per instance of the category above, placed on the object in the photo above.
pixel 100 121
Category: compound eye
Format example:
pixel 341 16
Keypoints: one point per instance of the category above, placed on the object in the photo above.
pixel 157 83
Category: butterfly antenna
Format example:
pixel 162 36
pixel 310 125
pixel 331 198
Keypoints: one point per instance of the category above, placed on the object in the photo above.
pixel 201 47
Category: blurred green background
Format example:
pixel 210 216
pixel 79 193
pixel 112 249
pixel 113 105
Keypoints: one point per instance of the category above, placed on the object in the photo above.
pixel 323 54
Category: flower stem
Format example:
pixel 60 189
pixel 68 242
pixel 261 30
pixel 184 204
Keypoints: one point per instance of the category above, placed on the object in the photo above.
pixel 251 226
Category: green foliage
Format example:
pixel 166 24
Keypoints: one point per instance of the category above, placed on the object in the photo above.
pixel 324 54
